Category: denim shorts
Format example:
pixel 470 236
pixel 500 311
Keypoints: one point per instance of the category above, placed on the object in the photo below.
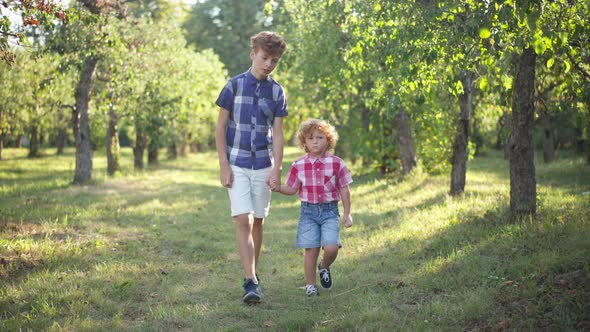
pixel 319 225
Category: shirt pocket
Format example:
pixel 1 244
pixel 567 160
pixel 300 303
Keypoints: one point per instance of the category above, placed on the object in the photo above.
pixel 267 106
pixel 329 181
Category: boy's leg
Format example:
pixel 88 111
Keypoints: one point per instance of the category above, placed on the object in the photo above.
pixel 310 260
pixel 257 231
pixel 245 244
pixel 330 254
pixel 260 195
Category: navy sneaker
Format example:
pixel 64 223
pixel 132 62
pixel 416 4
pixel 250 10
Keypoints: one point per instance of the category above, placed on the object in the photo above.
pixel 259 283
pixel 325 277
pixel 311 290
pixel 251 292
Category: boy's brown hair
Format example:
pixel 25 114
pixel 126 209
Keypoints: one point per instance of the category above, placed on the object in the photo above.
pixel 308 126
pixel 271 42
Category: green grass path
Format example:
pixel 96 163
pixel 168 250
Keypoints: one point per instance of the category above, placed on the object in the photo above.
pixel 155 251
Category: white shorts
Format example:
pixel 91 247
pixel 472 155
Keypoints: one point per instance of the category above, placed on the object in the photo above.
pixel 249 192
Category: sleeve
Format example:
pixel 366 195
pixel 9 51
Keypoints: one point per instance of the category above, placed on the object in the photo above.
pixel 226 97
pixel 344 177
pixel 292 179
pixel 281 110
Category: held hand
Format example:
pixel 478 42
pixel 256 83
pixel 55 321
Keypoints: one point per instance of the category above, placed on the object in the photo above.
pixel 226 176
pixel 274 181
pixel 272 184
pixel 347 220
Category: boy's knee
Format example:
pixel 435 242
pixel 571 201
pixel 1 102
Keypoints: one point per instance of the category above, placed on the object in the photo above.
pixel 331 249
pixel 242 220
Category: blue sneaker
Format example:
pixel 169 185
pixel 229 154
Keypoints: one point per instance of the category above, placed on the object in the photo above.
pixel 311 290
pixel 325 277
pixel 251 292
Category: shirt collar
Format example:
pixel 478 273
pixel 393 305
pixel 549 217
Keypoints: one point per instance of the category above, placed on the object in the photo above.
pixel 321 159
pixel 250 78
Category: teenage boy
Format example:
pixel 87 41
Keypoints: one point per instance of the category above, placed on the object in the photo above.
pixel 249 140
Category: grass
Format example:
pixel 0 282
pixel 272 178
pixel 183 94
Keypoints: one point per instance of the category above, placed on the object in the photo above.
pixel 155 250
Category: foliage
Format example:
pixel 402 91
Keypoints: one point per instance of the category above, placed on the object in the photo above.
pixel 365 59
pixel 32 13
pixel 44 86
pixel 225 26
pixel 172 102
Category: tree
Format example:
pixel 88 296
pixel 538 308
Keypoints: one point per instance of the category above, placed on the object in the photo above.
pixel 526 31
pixel 85 40
pixel 38 13
pixel 226 27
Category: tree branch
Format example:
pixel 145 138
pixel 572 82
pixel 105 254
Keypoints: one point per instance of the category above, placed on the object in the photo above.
pixel 584 73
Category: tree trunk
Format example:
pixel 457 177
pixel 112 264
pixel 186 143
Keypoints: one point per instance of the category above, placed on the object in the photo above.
pixel 34 141
pixel 75 120
pixel 62 133
pixel 83 173
pixel 523 191
pixel 387 152
pixel 461 144
pixel 1 145
pixel 62 138
pixel 548 137
pixel 476 136
pixel 138 149
pixel 405 141
pixel 172 150
pixel 586 145
pixel 113 143
pixel 183 149
pixel 508 124
pixel 153 152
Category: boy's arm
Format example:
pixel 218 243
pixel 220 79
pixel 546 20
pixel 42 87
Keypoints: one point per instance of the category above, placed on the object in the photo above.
pixel 286 190
pixel 345 197
pixel 278 143
pixel 225 173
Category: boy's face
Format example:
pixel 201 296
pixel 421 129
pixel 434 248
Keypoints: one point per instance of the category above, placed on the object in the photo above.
pixel 316 143
pixel 263 63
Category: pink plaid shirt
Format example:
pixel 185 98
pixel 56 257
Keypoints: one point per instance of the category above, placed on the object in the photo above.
pixel 318 179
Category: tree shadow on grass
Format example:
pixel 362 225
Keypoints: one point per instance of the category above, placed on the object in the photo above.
pixel 480 254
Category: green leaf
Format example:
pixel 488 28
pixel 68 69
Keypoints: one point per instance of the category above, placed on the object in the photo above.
pixel 568 66
pixel 458 87
pixel 485 33
pixel 548 42
pixel 533 19
pixel 483 83
pixel 539 44
pixel 550 62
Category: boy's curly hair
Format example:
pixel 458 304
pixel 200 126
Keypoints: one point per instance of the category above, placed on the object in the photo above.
pixel 308 126
pixel 271 42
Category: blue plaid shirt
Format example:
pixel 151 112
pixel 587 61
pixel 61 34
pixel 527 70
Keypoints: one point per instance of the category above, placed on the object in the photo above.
pixel 252 106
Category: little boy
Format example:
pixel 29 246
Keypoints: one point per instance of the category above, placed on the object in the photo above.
pixel 321 179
